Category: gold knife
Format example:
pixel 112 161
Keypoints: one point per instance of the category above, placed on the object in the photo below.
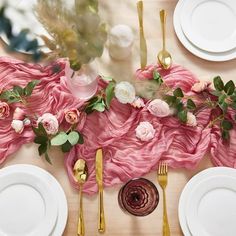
pixel 99 178
pixel 143 44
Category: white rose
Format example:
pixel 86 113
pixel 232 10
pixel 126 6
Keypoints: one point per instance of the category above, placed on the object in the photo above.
pixel 18 126
pixel 145 131
pixel 125 92
pixel 191 119
pixel 200 86
pixel 159 108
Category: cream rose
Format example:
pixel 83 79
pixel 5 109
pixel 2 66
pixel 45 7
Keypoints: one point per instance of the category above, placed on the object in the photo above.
pixel 125 92
pixel 200 86
pixel 4 110
pixel 72 116
pixel 49 122
pixel 18 126
pixel 191 119
pixel 145 131
pixel 159 108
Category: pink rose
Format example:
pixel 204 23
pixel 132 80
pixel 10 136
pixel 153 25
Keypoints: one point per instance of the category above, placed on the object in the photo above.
pixel 4 110
pixel 200 86
pixel 49 122
pixel 18 114
pixel 145 131
pixel 72 116
pixel 138 103
pixel 147 73
pixel 191 119
pixel 159 108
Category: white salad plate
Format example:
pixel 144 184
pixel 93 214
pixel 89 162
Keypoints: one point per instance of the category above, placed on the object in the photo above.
pixel 32 202
pixel 210 25
pixel 187 42
pixel 207 205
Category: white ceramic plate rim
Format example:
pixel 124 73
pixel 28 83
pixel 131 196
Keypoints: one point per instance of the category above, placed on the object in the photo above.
pixel 7 179
pixel 205 186
pixel 57 191
pixel 204 44
pixel 225 56
pixel 203 175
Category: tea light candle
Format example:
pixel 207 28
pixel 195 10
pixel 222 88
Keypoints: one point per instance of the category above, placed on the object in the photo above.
pixel 121 39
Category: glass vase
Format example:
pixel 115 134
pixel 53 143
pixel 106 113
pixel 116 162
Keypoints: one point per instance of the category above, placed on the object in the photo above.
pixel 83 83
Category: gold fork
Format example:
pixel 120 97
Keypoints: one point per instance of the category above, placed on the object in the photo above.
pixel 162 179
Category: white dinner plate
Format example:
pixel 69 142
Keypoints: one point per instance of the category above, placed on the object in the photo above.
pixel 27 205
pixel 210 56
pixel 189 187
pixel 211 207
pixel 27 20
pixel 210 24
pixel 53 186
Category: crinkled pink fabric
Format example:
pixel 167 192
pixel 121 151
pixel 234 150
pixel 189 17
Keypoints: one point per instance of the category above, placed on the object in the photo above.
pixel 125 156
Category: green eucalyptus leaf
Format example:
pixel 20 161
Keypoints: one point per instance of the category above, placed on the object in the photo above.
pixel 190 104
pixel 216 93
pixel 73 137
pixel 40 139
pixel 222 98
pixel 178 93
pixel 226 125
pixel 13 99
pixel 59 139
pixel 179 106
pixel 18 90
pixel 157 77
pixel 109 93
pixel 224 107
pixel 182 115
pixel 229 87
pixel 225 134
pixel 218 83
pixel 47 158
pixel 99 106
pixel 42 148
pixel 66 147
pixel 30 87
pixel 81 139
pixel 170 99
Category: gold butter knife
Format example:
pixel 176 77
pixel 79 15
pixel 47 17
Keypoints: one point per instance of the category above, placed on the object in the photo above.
pixel 99 178
pixel 143 44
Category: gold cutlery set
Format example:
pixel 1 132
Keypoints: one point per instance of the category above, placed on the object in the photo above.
pixel 164 58
pixel 81 175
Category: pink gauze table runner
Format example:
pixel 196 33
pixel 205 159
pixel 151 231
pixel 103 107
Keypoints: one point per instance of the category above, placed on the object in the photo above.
pixel 125 156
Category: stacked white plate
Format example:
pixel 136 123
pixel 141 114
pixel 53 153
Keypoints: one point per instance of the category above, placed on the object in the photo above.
pixel 32 202
pixel 207 205
pixel 207 28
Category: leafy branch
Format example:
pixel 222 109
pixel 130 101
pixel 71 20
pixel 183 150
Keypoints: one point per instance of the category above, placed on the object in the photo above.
pixel 19 94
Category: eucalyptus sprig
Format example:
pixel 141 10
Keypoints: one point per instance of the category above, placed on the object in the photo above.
pixel 176 101
pixel 66 140
pixel 18 93
pixel 103 99
pixel 224 98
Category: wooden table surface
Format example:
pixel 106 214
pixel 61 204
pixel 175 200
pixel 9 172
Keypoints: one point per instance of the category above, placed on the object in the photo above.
pixel 118 223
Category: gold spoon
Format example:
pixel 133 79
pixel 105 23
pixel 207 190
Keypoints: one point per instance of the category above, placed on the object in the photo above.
pixel 164 56
pixel 81 175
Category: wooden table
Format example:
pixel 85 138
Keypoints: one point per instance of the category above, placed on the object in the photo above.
pixel 119 223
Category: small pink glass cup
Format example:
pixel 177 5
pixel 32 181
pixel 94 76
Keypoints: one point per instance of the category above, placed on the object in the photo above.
pixel 139 197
